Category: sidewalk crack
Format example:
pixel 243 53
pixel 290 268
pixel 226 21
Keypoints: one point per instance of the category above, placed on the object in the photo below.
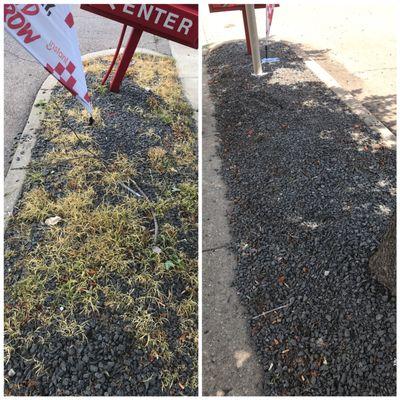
pixel 222 246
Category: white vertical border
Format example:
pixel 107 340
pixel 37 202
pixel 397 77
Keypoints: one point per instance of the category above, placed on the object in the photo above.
pixel 2 205
pixel 199 150
pixel 201 10
pixel 397 208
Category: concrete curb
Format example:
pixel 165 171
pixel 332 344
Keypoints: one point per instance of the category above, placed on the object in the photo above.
pixel 17 172
pixel 388 139
pixel 187 73
pixel 16 175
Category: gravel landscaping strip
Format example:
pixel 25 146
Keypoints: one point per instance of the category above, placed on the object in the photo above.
pixel 312 192
pixel 92 306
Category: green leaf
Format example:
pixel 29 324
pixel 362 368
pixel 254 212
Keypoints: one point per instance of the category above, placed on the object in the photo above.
pixel 168 264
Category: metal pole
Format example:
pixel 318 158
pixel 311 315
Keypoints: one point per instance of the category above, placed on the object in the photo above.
pixel 255 50
pixel 246 31
pixel 126 59
pixel 121 39
pixel 267 32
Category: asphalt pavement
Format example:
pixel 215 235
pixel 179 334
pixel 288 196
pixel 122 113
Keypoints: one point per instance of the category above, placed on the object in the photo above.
pixel 23 76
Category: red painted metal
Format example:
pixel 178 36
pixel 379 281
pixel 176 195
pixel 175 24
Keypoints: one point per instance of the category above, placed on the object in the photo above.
pixel 246 31
pixel 232 7
pixel 237 7
pixel 126 59
pixel 176 22
pixel 121 38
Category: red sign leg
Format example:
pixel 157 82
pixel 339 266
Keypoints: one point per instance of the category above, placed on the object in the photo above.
pixel 246 31
pixel 121 38
pixel 126 59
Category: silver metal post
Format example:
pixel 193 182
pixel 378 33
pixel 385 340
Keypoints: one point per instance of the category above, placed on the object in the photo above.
pixel 255 50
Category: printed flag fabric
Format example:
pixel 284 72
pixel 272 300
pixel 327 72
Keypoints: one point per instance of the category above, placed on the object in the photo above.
pixel 270 14
pixel 47 32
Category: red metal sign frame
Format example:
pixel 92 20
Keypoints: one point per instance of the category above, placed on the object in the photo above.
pixel 237 7
pixel 176 22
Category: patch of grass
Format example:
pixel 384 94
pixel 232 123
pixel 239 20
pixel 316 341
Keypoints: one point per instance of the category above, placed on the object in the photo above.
pixel 9 254
pixel 82 117
pixel 121 170
pixel 35 177
pixel 36 205
pixel 158 158
pixel 100 255
pixel 183 153
pixel 102 90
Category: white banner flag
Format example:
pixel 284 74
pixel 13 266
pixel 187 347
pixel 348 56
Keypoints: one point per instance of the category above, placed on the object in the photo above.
pixel 270 14
pixel 47 32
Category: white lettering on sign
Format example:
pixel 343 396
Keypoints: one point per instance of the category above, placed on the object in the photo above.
pixel 160 11
pixel 146 11
pixel 171 18
pixel 186 24
pixel 128 8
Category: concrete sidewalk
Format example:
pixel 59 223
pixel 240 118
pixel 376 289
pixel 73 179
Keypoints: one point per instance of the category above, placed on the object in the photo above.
pixel 187 64
pixel 354 41
pixel 229 365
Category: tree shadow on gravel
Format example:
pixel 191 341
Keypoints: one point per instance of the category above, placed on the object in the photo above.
pixel 382 105
pixel 312 191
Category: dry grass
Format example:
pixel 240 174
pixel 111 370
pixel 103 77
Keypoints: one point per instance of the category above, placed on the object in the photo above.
pixel 79 265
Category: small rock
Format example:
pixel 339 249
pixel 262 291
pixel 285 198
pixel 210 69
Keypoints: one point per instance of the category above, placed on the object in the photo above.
pixel 156 250
pixel 93 368
pixel 51 221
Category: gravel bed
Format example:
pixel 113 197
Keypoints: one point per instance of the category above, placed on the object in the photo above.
pixel 312 193
pixel 109 361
